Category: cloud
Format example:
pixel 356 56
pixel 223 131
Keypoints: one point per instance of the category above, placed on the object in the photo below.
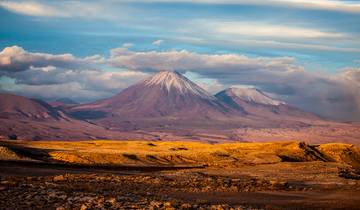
pixel 188 61
pixel 127 45
pixel 32 9
pixel 87 85
pixel 158 42
pixel 84 9
pixel 60 9
pixel 269 34
pixel 267 30
pixel 17 59
pixel 49 76
pixel 332 5
pixel 351 74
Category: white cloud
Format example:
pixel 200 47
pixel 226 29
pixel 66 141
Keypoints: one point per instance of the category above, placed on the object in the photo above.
pixel 127 45
pixel 32 9
pixel 49 76
pixel 158 42
pixel 187 61
pixel 334 5
pixel 15 58
pixel 267 30
pixel 62 9
pixel 233 34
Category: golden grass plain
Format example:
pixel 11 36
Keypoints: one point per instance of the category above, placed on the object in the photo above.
pixel 182 153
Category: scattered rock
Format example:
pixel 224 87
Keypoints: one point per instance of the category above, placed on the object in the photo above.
pixel 94 191
pixel 12 137
pixel 83 207
pixel 59 178
pixel 186 206
pixel 349 173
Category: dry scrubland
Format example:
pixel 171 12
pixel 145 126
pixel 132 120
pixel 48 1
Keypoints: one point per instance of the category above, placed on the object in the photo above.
pixel 178 175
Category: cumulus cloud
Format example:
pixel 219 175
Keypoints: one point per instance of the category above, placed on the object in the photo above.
pixel 79 86
pixel 51 76
pixel 183 61
pixel 17 59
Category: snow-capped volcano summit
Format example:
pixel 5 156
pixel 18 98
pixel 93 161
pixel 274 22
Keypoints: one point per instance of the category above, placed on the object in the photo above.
pixel 254 95
pixel 257 103
pixel 172 80
pixel 165 94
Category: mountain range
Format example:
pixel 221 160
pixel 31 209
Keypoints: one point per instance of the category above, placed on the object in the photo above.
pixel 167 106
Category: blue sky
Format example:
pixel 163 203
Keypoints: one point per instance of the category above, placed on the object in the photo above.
pixel 315 40
pixel 334 44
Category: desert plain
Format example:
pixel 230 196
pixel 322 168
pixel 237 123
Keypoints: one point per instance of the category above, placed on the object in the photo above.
pixel 178 175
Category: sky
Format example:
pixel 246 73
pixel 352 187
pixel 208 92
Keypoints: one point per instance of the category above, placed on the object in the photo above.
pixel 304 52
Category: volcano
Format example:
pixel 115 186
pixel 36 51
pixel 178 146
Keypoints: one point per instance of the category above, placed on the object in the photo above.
pixel 165 95
pixel 257 103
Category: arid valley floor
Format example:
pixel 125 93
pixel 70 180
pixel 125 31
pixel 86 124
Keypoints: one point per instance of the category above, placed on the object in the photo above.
pixel 178 175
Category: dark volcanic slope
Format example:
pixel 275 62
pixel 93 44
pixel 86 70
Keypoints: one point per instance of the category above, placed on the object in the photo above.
pixel 166 94
pixel 18 107
pixel 62 102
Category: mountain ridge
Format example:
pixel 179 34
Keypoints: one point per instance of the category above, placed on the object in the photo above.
pixel 175 108
pixel 255 102
pixel 254 95
pixel 22 107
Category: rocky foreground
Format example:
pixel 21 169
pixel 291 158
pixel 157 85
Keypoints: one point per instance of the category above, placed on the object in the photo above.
pixel 185 189
pixel 121 192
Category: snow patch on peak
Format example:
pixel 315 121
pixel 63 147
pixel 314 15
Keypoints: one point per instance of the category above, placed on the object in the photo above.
pixel 254 95
pixel 174 80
